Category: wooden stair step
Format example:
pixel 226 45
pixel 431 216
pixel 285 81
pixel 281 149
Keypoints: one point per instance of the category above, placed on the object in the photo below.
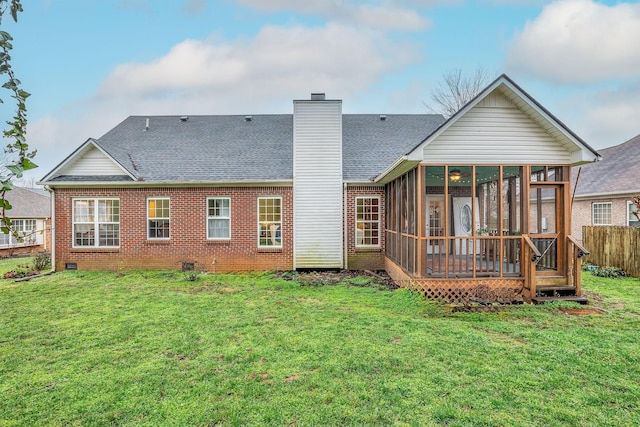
pixel 542 300
pixel 545 288
pixel 551 281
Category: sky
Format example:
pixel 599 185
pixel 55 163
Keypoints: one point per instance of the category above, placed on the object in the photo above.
pixel 89 64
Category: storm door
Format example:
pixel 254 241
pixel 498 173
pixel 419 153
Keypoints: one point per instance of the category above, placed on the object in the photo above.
pixel 545 214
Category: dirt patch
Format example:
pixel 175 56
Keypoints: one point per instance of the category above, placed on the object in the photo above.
pixel 580 311
pixel 357 278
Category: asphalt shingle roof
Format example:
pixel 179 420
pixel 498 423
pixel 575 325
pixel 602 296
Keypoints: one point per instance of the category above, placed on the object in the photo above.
pixel 229 148
pixel 615 173
pixel 29 203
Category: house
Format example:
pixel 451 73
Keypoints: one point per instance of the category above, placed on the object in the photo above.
pixel 476 206
pixel 30 215
pixel 605 189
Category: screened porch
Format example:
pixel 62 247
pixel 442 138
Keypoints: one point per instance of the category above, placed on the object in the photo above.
pixel 480 224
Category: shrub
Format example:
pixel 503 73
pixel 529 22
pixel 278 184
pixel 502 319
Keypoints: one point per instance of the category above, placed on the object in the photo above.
pixel 610 272
pixel 191 275
pixel 41 261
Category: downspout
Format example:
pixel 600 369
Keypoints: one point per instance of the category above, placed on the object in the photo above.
pixel 53 228
pixel 345 234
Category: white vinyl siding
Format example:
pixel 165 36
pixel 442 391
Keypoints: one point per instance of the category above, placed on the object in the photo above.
pixel 317 184
pixel 92 162
pixel 495 131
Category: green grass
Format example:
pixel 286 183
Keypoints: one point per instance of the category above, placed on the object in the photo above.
pixel 153 348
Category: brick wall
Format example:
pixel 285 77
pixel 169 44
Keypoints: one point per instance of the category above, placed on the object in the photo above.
pixel 581 214
pixel 364 258
pixel 188 240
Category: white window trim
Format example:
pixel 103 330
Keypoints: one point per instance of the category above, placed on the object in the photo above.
pixel 168 218
pixel 218 217
pixel 593 216
pixel 96 223
pixel 258 223
pixel 629 216
pixel 31 236
pixel 358 245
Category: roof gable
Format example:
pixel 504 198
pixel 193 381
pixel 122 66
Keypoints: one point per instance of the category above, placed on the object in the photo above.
pixel 504 93
pixel 89 160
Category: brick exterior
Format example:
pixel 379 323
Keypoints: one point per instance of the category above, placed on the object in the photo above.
pixel 364 258
pixel 582 213
pixel 188 241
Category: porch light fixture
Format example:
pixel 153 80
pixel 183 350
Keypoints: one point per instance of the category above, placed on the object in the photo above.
pixel 455 175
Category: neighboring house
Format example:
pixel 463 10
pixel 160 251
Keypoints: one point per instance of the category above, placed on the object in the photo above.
pixel 31 218
pixel 456 208
pixel 605 189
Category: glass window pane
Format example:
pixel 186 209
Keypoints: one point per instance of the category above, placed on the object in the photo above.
pixel 269 222
pixel 219 229
pixel 634 221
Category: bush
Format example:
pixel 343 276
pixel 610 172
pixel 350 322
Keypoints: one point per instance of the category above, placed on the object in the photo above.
pixel 41 261
pixel 191 275
pixel 610 272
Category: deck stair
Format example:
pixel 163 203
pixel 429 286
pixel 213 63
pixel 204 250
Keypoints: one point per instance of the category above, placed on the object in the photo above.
pixel 556 289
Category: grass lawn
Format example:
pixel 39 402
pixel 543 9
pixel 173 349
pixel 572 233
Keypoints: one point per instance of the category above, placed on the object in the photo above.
pixel 153 348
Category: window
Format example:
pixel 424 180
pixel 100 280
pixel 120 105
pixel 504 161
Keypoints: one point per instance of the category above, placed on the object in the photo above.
pixel 632 220
pixel 367 222
pixel 158 218
pixel 96 218
pixel 269 222
pixel 601 214
pixel 219 218
pixel 26 233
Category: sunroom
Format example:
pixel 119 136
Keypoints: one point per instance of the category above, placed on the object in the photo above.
pixel 481 210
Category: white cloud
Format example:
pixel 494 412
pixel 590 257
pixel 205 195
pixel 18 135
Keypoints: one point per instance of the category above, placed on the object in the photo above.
pixel 241 76
pixel 579 41
pixel 279 61
pixel 385 17
pixel 613 118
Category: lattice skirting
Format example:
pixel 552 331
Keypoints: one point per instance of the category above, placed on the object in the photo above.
pixel 463 291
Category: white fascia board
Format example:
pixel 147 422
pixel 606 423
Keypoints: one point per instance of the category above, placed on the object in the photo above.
pixel 78 153
pixel 614 195
pixel 387 171
pixel 141 184
pixel 400 167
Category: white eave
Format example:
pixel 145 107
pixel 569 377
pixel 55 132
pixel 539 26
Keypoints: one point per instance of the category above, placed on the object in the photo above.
pixel 580 151
pixel 168 183
pixel 88 144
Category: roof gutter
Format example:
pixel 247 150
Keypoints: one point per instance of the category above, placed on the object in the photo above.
pixel 53 228
pixel 120 184
pixel 605 195
pixel 388 170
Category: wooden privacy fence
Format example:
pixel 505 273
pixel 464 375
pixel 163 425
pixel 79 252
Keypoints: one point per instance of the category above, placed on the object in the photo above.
pixel 613 246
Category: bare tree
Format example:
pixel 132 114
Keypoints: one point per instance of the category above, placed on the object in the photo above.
pixel 455 90
pixel 636 201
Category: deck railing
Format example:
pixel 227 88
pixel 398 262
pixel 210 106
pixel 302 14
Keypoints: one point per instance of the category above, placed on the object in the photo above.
pixel 531 256
pixel 470 257
pixel 575 252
